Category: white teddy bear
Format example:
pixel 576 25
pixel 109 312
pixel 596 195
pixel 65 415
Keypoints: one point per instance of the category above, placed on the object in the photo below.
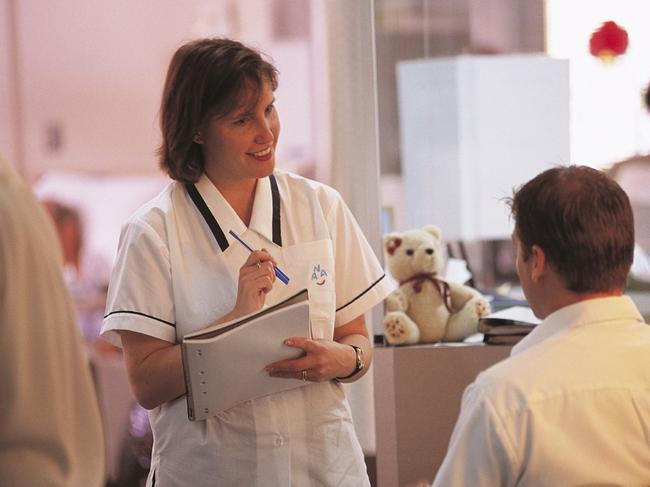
pixel 425 308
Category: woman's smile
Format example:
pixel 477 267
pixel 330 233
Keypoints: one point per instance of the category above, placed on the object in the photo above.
pixel 263 155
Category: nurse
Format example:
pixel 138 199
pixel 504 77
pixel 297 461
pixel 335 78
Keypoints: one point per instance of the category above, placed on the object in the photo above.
pixel 179 270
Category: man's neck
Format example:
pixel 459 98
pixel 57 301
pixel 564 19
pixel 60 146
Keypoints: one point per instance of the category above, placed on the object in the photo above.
pixel 567 298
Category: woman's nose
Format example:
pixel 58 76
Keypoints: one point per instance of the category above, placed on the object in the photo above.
pixel 264 133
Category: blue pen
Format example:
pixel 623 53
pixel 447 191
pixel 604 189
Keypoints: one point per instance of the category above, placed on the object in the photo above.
pixel 278 273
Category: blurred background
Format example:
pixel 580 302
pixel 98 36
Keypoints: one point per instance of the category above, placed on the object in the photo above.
pixel 514 88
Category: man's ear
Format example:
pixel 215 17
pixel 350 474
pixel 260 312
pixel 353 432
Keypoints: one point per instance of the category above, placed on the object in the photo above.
pixel 539 265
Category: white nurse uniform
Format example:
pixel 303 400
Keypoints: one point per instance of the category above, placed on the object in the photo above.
pixel 177 272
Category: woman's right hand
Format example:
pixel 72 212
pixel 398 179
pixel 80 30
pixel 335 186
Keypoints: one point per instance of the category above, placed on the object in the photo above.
pixel 256 278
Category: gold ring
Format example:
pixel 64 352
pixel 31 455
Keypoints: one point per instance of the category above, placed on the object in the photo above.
pixel 304 375
pixel 259 265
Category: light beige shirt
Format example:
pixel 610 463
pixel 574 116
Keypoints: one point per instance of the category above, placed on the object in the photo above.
pixel 173 277
pixel 50 427
pixel 571 406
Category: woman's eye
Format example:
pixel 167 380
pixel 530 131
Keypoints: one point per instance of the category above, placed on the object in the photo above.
pixel 240 121
pixel 269 109
pixel 409 252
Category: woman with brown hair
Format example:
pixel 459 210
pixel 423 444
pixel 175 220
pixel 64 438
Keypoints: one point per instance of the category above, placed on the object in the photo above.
pixel 179 270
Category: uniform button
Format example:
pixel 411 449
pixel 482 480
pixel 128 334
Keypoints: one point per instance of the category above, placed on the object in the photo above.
pixel 279 441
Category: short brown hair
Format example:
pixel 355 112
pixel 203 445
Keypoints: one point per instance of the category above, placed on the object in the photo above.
pixel 206 77
pixel 583 222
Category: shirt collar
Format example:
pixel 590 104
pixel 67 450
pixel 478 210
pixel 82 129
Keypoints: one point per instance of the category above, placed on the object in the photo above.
pixel 262 216
pixel 580 314
pixel 265 218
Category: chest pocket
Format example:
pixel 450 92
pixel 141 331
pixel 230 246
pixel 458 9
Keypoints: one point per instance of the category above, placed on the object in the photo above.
pixel 312 267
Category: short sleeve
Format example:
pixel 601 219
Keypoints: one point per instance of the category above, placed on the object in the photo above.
pixel 480 453
pixel 140 293
pixel 361 282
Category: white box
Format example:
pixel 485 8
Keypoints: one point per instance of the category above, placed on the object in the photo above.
pixel 474 127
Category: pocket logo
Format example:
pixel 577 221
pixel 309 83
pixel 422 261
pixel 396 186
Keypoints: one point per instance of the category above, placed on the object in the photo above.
pixel 319 275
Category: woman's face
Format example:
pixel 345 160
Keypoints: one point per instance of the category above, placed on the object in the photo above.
pixel 241 145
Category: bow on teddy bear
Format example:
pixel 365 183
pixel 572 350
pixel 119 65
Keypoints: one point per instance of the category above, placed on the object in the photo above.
pixel 442 286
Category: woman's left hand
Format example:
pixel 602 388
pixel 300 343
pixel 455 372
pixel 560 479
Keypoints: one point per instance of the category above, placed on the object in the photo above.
pixel 323 360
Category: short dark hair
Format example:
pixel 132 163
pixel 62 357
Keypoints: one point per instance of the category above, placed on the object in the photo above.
pixel 583 221
pixel 206 77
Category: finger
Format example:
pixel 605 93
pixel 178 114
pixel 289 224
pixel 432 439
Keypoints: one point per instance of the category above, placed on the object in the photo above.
pixel 260 256
pixel 264 283
pixel 306 344
pixel 254 282
pixel 270 257
pixel 309 376
pixel 268 267
pixel 288 366
pixel 257 270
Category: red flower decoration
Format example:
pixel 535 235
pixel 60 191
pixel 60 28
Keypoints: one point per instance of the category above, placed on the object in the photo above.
pixel 608 42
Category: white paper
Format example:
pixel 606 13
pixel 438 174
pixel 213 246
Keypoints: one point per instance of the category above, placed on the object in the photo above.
pixel 456 271
pixel 227 370
pixel 517 313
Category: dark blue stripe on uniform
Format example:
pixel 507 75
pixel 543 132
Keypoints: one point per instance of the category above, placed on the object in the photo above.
pixel 140 314
pixel 199 202
pixel 361 294
pixel 277 231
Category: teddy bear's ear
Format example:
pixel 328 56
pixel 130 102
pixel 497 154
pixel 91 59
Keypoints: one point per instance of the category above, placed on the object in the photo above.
pixel 391 242
pixel 433 230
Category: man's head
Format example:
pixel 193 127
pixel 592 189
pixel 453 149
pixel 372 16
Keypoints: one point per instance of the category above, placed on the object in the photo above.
pixel 582 222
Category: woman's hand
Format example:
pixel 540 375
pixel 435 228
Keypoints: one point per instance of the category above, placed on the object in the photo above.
pixel 323 360
pixel 327 359
pixel 256 278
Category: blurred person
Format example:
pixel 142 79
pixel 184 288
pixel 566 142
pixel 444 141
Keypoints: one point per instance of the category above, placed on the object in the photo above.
pixel 70 230
pixel 86 276
pixel 570 406
pixel 50 428
pixel 178 270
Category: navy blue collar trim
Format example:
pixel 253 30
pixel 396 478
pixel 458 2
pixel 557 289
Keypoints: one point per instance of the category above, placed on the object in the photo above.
pixel 216 230
pixel 209 218
pixel 275 193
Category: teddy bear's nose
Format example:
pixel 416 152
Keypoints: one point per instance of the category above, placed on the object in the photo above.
pixel 429 251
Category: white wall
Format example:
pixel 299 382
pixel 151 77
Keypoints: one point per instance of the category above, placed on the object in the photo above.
pixel 608 119
pixel 94 72
pixel 92 75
